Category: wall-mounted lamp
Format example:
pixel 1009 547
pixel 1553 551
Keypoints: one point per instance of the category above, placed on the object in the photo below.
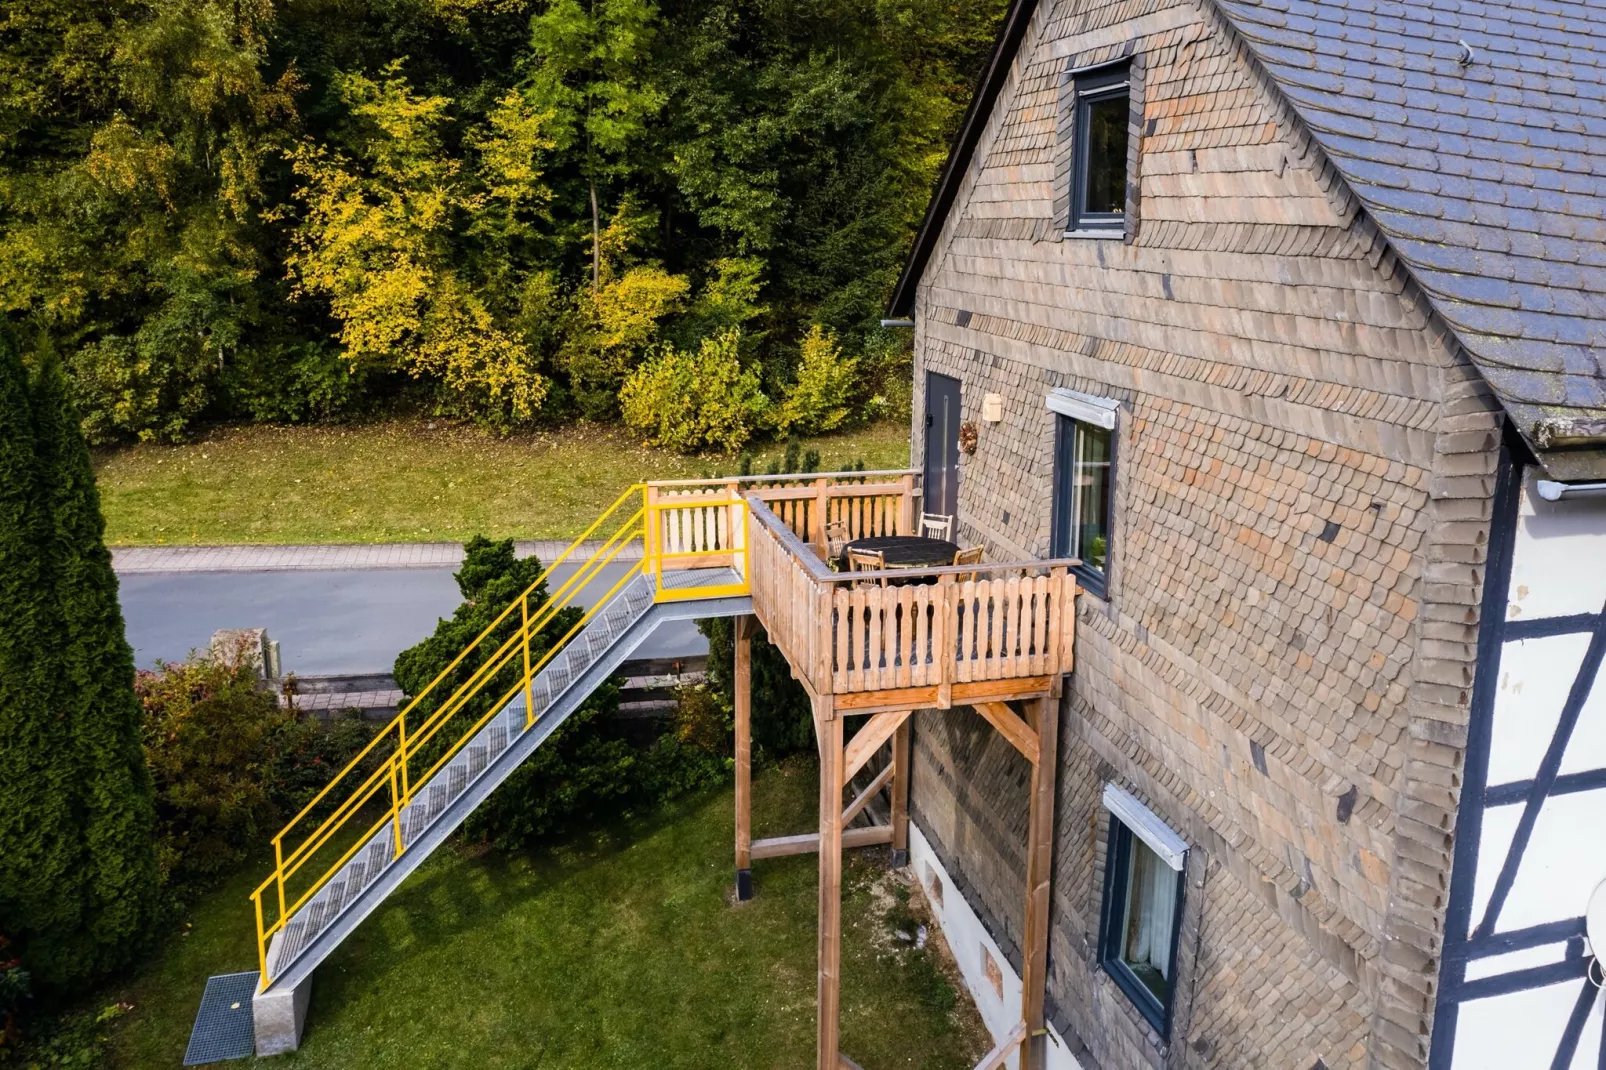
pixel 992 408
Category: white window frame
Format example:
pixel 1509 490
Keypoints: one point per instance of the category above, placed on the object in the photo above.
pixel 1087 408
pixel 1146 825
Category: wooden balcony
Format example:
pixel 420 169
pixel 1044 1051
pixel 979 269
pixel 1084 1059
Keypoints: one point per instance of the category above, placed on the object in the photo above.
pixel 981 636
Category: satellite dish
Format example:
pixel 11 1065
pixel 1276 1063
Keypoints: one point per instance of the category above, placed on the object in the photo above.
pixel 1595 920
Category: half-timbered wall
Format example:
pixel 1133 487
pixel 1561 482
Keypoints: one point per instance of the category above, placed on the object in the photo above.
pixel 1518 989
pixel 1304 472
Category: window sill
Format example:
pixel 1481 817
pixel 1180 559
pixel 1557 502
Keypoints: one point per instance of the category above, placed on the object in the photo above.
pixel 1092 583
pixel 1155 1013
pixel 1108 233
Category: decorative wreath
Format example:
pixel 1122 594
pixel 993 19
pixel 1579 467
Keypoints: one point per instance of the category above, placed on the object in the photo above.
pixel 967 437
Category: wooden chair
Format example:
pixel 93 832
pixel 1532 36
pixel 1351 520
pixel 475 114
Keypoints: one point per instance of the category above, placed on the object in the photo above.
pixel 972 556
pixel 867 561
pixel 836 537
pixel 936 526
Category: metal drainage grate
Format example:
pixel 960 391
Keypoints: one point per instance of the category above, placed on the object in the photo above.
pixel 223 1025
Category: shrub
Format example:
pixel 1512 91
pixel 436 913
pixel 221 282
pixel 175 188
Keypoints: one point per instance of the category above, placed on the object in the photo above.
pixel 690 401
pixel 230 766
pixel 210 735
pixel 820 399
pixel 609 330
pixel 886 370
pixel 296 383
pixel 125 391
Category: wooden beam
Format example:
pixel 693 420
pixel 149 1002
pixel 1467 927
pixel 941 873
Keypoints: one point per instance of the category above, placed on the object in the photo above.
pixel 744 757
pixel 900 793
pixel 1015 689
pixel 829 988
pixel 863 798
pixel 808 843
pixel 875 732
pixel 1011 727
pixel 996 1058
pixel 1039 872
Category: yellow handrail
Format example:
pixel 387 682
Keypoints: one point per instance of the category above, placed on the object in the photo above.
pixel 401 717
pixel 644 523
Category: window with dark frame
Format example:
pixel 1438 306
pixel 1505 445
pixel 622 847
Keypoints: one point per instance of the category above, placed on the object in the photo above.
pixel 1142 914
pixel 1083 470
pixel 1099 152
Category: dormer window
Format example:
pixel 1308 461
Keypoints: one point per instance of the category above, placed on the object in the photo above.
pixel 1099 158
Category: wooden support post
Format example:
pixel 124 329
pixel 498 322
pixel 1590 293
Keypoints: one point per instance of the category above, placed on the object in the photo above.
pixel 900 796
pixel 906 506
pixel 744 758
pixel 818 517
pixel 1039 873
pixel 830 942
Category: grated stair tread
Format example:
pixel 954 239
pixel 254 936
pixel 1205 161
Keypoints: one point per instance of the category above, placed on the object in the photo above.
pixel 432 800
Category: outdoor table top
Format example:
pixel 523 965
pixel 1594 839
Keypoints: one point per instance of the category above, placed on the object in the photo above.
pixel 905 551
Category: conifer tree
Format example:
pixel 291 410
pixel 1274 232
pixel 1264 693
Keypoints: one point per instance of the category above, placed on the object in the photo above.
pixel 115 806
pixel 41 848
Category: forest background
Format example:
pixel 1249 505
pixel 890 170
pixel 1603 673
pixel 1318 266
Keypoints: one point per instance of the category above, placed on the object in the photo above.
pixel 685 214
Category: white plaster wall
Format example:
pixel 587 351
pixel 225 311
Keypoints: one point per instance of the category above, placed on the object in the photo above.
pixel 972 946
pixel 1558 569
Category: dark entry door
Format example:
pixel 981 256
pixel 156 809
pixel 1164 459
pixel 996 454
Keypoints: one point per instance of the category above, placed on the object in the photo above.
pixel 942 445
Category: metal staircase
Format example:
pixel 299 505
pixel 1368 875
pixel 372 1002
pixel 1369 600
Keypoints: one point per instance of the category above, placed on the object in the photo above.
pixel 675 579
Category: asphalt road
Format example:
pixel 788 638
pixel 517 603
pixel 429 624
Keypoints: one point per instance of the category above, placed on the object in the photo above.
pixel 326 622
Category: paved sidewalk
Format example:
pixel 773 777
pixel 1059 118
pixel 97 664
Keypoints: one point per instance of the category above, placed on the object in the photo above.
pixel 131 560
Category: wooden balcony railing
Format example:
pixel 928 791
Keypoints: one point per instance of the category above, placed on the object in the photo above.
pixel 936 636
pixel 865 503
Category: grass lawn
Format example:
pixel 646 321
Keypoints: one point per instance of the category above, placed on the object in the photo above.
pixel 404 481
pixel 619 951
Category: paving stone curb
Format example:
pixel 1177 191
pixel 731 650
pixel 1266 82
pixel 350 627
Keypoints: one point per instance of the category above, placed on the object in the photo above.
pixel 135 560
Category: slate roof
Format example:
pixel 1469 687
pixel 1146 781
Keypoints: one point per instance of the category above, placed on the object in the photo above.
pixel 1488 176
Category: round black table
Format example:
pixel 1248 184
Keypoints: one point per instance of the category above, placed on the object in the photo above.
pixel 905 551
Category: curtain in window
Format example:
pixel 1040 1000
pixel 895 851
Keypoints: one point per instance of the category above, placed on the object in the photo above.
pixel 1151 911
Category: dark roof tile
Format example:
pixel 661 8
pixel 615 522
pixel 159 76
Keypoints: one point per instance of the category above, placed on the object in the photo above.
pixel 1489 179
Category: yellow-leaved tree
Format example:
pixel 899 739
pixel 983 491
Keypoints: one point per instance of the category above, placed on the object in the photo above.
pixel 375 242
pixel 821 397
pixel 612 327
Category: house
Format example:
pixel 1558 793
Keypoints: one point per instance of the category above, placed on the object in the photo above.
pixel 1288 320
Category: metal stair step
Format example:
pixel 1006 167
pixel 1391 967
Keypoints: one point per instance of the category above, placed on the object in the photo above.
pixel 430 801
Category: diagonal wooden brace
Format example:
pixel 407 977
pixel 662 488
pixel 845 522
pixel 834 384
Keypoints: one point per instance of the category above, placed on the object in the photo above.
pixel 864 797
pixel 876 731
pixel 1011 727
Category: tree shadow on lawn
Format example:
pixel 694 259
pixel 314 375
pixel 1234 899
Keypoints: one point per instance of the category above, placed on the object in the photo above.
pixel 614 948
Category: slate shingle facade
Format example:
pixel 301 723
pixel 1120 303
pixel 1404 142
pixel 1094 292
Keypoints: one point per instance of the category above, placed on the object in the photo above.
pixel 1305 466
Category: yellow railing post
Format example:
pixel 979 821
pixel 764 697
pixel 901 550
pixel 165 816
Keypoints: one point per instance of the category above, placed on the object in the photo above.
pixel 395 810
pixel 262 945
pixel 278 869
pixel 401 756
pixel 529 691
pixel 652 536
